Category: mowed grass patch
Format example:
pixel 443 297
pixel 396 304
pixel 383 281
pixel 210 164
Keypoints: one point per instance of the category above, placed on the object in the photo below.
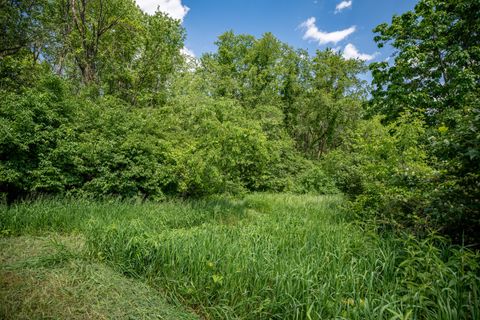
pixel 46 278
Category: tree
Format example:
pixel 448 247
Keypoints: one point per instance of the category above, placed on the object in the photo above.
pixel 253 71
pixel 114 46
pixel 144 78
pixel 84 32
pixel 226 69
pixel 20 27
pixel 436 76
pixel 318 97
pixel 436 64
pixel 331 102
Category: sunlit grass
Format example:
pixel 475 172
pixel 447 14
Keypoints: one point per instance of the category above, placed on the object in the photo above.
pixel 266 256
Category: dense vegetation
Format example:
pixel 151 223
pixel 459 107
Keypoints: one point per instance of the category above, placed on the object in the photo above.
pixel 98 99
pixel 98 102
pixel 267 256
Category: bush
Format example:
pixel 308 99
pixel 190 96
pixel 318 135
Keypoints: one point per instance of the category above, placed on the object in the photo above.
pixel 32 123
pixel 314 180
pixel 194 146
pixel 385 172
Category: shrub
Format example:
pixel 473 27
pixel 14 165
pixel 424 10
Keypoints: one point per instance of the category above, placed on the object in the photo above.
pixel 385 172
pixel 32 123
pixel 315 180
pixel 194 146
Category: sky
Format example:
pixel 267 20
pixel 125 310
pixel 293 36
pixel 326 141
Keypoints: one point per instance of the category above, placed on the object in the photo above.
pixel 344 25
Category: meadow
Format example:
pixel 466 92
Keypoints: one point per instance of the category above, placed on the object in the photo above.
pixel 263 256
pixel 257 180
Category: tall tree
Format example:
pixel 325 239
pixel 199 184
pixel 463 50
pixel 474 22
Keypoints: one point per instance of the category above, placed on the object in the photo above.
pixel 252 71
pixel 226 68
pixel 115 46
pixel 85 31
pixel 330 103
pixel 20 27
pixel 436 62
pixel 144 79
pixel 436 76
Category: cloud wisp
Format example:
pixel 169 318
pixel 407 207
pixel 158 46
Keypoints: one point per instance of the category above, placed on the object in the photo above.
pixel 174 8
pixel 343 5
pixel 313 33
pixel 351 52
pixel 187 52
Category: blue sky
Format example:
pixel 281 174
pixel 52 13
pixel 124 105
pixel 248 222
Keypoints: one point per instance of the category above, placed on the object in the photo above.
pixel 349 30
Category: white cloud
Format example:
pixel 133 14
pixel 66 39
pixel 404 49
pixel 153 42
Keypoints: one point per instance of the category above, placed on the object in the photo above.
pixel 312 33
pixel 187 52
pixel 351 52
pixel 343 5
pixel 174 8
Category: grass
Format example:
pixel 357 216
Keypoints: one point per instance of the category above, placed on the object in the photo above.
pixel 47 278
pixel 263 257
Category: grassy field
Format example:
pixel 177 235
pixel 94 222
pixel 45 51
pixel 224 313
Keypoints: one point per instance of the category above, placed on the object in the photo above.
pixel 261 257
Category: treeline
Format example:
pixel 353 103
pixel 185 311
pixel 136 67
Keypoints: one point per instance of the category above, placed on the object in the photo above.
pixel 98 99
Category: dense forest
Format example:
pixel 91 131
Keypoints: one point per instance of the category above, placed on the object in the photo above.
pixel 99 101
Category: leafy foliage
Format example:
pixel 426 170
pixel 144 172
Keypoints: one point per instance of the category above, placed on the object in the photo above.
pixel 19 22
pixel 98 99
pixel 435 76
pixel 316 181
pixel 329 104
pixel 385 170
pixel 32 124
pixel 57 144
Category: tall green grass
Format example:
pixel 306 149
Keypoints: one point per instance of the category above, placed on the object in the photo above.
pixel 63 215
pixel 267 257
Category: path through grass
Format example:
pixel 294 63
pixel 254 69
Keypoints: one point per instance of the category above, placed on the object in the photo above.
pixel 262 257
pixel 47 278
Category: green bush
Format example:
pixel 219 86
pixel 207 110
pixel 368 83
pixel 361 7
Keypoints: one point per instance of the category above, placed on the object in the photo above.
pixel 314 180
pixel 385 171
pixel 54 143
pixel 33 122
